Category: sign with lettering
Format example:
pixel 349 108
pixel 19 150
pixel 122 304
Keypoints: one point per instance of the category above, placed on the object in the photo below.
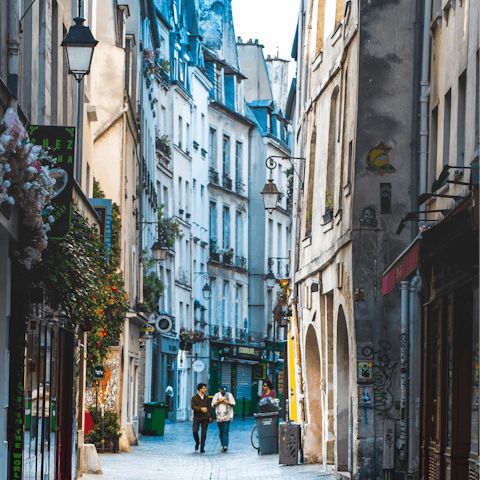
pixel 16 445
pixel 60 143
pixel 402 268
pixel 98 372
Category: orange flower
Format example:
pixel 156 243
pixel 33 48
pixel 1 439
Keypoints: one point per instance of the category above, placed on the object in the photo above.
pixel 115 289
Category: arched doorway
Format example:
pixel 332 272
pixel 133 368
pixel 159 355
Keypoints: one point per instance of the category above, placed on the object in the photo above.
pixel 313 436
pixel 343 393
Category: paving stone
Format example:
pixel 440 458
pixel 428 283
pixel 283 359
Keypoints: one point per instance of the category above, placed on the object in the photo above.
pixel 174 456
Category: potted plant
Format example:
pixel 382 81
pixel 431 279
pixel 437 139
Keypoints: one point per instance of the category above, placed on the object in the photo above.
pixel 328 215
pixel 228 256
pixel 111 430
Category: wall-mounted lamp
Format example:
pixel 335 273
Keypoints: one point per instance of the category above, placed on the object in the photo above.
pixel 270 193
pixel 206 290
pixel 270 280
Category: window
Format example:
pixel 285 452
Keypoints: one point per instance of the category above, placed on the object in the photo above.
pixel 187 146
pixel 129 67
pixel 213 300
pixel 180 193
pixel 213 149
pixel 311 181
pixel 462 88
pixel 166 211
pixel 226 228
pixel 239 234
pixel 447 117
pixel 270 238
pixel 330 184
pixel 202 138
pixel 239 306
pixel 279 240
pixel 213 221
pixel 225 302
pixel 226 156
pixel 239 162
pixel 187 197
pixel 180 132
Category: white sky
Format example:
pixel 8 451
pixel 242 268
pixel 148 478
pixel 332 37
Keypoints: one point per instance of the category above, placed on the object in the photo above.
pixel 273 22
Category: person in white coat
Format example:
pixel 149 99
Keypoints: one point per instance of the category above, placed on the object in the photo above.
pixel 223 402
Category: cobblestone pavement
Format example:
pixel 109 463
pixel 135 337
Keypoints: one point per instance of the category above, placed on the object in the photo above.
pixel 173 456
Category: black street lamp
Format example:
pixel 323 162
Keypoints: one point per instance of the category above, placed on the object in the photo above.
pixel 79 45
pixel 270 280
pixel 206 291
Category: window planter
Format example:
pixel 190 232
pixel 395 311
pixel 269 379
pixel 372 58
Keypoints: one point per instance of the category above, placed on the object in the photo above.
pixel 327 217
pixel 180 211
pixel 188 215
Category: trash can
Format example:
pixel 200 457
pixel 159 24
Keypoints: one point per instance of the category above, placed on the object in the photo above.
pixel 267 427
pixel 289 443
pixel 155 418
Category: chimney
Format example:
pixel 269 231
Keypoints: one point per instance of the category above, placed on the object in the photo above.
pixel 256 41
pixel 250 40
pixel 239 40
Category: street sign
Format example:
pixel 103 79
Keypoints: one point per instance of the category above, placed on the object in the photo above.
pixel 98 372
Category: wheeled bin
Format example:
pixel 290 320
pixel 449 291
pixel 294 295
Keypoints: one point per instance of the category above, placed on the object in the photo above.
pixel 155 418
pixel 267 427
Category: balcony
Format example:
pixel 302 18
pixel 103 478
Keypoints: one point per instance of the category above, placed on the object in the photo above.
pixel 214 331
pixel 227 333
pixel 240 334
pixel 213 177
pixel 240 262
pixel 240 188
pixel 227 182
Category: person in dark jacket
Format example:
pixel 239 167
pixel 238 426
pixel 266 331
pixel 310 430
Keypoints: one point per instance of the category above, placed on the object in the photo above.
pixel 202 416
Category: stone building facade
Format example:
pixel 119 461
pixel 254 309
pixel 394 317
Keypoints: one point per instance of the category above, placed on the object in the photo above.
pixel 353 127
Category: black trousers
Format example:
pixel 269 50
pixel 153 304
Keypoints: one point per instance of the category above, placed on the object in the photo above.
pixel 196 427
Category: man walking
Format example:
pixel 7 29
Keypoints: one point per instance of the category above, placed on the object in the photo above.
pixel 202 416
pixel 223 403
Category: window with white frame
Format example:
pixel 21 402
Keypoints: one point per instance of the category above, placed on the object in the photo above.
pixel 226 228
pixel 213 221
pixel 213 149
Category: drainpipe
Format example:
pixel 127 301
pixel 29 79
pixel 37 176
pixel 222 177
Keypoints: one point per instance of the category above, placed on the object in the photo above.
pixel 402 442
pixel 414 380
pixel 415 109
pixel 13 46
pixel 424 97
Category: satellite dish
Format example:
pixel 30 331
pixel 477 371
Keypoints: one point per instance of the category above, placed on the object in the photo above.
pixel 163 324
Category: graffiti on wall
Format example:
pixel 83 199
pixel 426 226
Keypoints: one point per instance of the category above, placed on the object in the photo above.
pixel 383 368
pixel 378 161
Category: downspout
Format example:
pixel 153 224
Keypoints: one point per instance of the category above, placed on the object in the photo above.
pixel 402 446
pixel 414 380
pixel 424 98
pixel 414 144
pixel 13 46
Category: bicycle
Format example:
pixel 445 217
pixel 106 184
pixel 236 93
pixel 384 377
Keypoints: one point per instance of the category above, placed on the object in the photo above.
pixel 255 440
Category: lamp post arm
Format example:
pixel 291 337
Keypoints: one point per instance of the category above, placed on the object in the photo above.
pixel 272 164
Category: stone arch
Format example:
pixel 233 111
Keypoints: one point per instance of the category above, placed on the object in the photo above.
pixel 343 413
pixel 313 436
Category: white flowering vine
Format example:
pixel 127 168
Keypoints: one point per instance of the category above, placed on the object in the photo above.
pixel 25 181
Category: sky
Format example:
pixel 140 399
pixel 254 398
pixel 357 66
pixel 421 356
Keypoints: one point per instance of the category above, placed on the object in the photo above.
pixel 273 22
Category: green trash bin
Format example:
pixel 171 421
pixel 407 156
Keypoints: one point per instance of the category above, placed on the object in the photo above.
pixel 155 418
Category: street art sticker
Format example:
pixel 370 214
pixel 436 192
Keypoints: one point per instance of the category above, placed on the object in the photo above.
pixel 365 370
pixel 365 396
pixel 377 160
pixel 383 369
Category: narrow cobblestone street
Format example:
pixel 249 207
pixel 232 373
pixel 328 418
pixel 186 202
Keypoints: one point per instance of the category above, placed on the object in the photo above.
pixel 173 456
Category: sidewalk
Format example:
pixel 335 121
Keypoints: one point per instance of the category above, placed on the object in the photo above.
pixel 173 456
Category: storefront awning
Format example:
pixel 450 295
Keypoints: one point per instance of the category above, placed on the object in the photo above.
pixel 403 266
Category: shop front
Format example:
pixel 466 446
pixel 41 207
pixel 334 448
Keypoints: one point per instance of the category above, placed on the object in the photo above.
pixel 236 366
pixel 437 276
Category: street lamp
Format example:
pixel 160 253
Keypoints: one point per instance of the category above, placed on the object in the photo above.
pixel 79 45
pixel 271 194
pixel 206 291
pixel 159 250
pixel 270 280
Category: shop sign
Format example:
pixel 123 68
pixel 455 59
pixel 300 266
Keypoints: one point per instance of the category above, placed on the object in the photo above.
pixel 16 450
pixel 248 352
pixel 402 268
pixel 60 142
pixel 98 372
pixel 198 366
pixel 169 345
pixel 103 207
